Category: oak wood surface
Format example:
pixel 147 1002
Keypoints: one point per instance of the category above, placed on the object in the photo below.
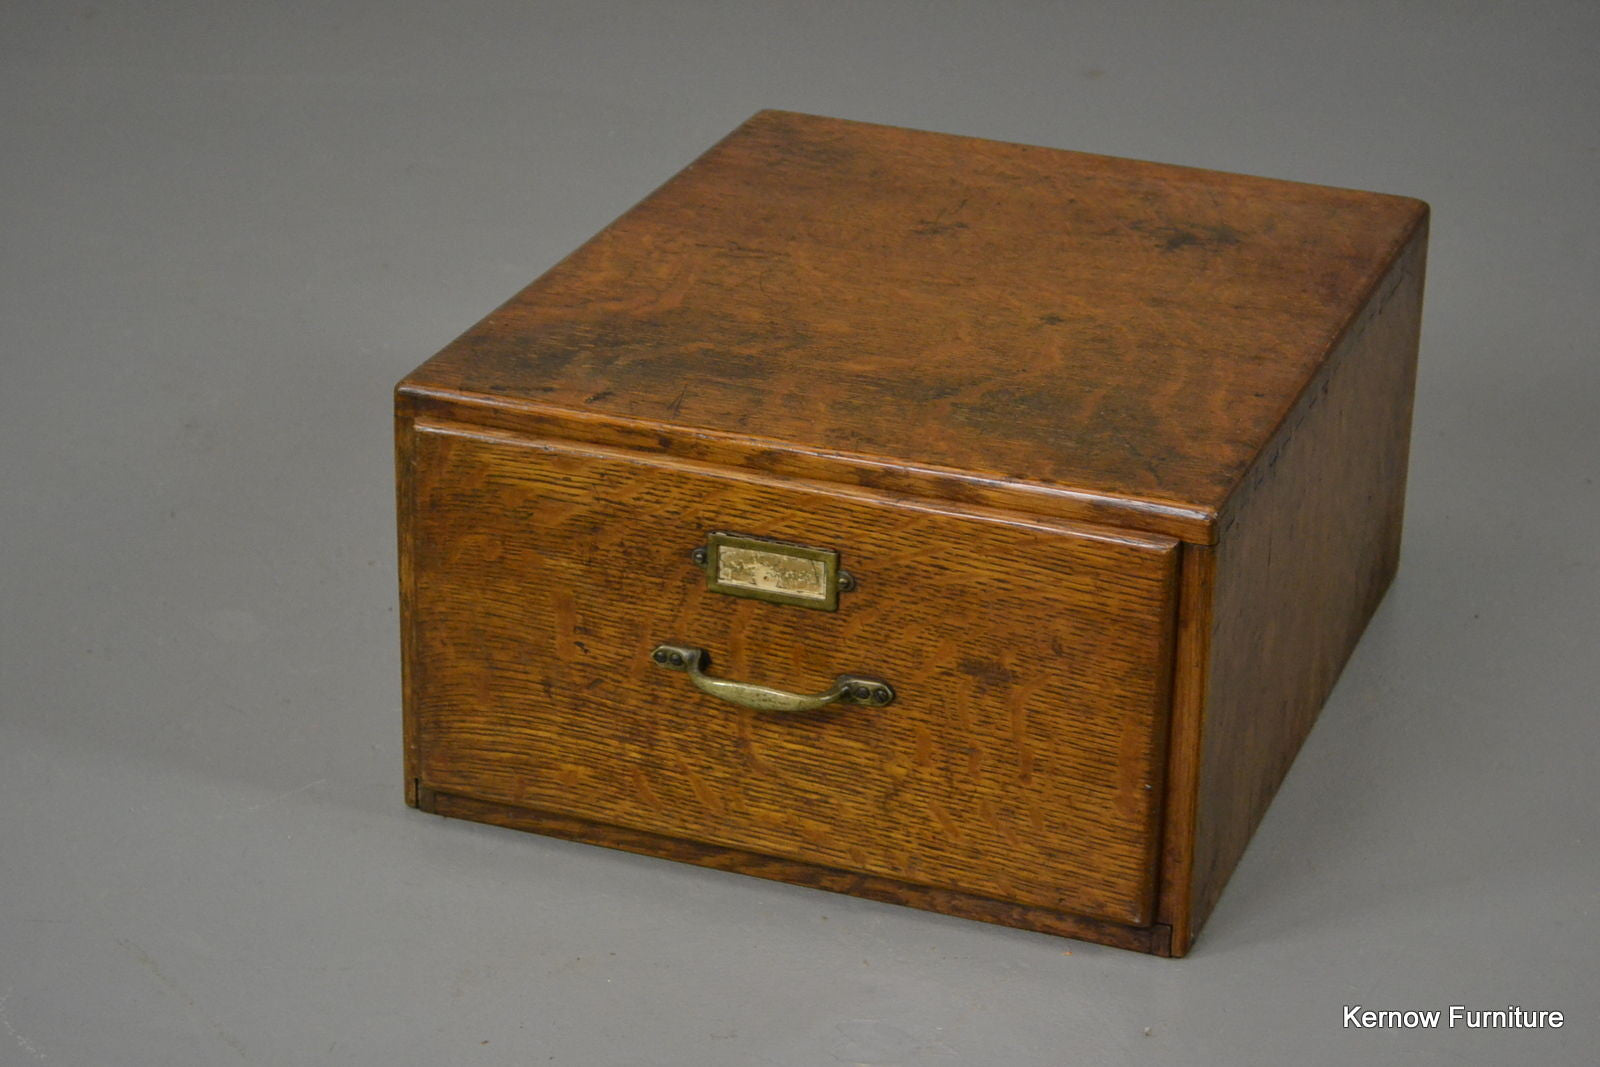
pixel 1022 758
pixel 411 682
pixel 1307 548
pixel 907 478
pixel 1190 673
pixel 1153 939
pixel 1118 337
pixel 1117 449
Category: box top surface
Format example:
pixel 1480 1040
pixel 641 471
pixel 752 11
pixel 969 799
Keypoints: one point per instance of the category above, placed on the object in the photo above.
pixel 1110 330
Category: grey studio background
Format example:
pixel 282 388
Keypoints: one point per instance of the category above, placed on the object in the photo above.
pixel 229 228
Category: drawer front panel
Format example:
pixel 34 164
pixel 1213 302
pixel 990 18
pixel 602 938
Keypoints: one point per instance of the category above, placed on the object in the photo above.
pixel 1020 760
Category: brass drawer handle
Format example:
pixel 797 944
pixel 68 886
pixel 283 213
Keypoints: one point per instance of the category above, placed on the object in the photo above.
pixel 847 688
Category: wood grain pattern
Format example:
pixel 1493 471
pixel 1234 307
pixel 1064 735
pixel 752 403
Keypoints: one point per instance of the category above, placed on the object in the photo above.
pixel 1152 939
pixel 1190 674
pixel 1117 338
pixel 1022 758
pixel 1307 549
pixel 909 478
pixel 411 681
pixel 1117 450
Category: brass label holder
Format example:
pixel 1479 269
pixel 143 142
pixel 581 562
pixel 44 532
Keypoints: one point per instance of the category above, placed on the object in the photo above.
pixel 774 571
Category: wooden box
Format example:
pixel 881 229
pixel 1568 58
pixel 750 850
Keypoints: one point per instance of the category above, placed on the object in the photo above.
pixel 1084 473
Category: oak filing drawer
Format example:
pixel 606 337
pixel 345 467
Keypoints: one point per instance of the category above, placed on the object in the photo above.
pixel 1068 483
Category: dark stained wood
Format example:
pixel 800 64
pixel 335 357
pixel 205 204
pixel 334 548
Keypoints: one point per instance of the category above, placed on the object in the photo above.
pixel 1152 939
pixel 411 682
pixel 1117 450
pixel 1117 338
pixel 1021 759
